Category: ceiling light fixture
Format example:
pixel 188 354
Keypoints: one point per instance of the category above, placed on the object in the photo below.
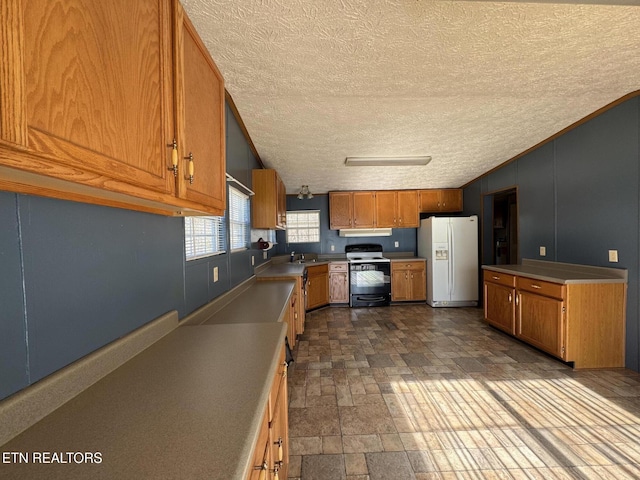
pixel 305 192
pixel 386 161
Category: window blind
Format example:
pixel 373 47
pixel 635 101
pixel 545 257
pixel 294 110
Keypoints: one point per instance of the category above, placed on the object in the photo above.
pixel 239 219
pixel 203 236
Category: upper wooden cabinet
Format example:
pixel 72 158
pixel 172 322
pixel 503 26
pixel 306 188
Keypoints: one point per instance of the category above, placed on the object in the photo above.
pixel 269 209
pixel 445 200
pixel 379 209
pixel 92 102
pixel 364 210
pixel 340 210
pixel 200 114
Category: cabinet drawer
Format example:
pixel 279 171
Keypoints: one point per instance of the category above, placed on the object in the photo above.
pixel 499 278
pixel 408 265
pixel 338 267
pixel 540 287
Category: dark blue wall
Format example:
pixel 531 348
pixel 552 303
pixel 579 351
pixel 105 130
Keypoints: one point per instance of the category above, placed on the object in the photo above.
pixel 75 276
pixel 578 196
pixel 406 237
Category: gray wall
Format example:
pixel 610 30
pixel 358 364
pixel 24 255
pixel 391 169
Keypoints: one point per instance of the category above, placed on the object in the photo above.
pixel 406 237
pixel 579 197
pixel 75 276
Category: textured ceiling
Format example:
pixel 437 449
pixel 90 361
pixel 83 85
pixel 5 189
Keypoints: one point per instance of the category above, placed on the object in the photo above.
pixel 470 83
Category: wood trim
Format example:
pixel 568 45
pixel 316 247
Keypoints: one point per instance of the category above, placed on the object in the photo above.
pixel 243 127
pixel 13 114
pixel 583 120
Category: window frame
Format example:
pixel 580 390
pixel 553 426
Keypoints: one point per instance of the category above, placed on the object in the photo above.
pixel 244 222
pixel 217 237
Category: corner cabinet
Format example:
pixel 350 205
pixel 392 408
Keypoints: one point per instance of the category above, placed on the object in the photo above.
pixel 90 112
pixel 579 322
pixel 317 286
pixel 269 209
pixel 408 281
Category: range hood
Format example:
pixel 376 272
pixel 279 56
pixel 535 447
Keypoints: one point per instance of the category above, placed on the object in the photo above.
pixel 365 232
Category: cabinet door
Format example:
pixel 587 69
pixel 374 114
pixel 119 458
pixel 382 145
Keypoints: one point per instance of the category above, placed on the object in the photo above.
pixel 340 210
pixel 400 285
pixel 408 215
pixel 282 204
pixel 386 215
pixel 200 118
pixel 540 322
pixel 89 92
pixel 279 433
pixel 451 200
pixel 364 209
pixel 418 281
pixel 339 287
pixel 499 306
pixel 429 200
pixel 262 453
pixel 318 290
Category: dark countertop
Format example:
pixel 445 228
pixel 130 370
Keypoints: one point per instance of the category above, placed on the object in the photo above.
pixel 564 273
pixel 189 406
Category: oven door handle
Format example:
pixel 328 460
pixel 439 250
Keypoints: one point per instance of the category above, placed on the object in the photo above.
pixel 370 299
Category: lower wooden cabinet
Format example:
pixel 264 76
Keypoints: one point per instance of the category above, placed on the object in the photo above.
pixel 338 282
pixel 581 323
pixel 408 281
pixel 270 459
pixel 317 286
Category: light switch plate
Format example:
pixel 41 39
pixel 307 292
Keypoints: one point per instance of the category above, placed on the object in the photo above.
pixel 333 248
pixel 253 260
pixel 543 251
pixel 215 274
pixel 613 255
pixel 397 244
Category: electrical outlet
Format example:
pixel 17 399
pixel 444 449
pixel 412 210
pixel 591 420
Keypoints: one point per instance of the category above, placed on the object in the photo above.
pixel 543 251
pixel 215 274
pixel 397 244
pixel 264 254
pixel 613 255
pixel 333 248
pixel 253 260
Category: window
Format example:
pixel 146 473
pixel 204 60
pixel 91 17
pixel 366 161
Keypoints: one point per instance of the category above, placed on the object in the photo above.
pixel 303 226
pixel 203 236
pixel 239 220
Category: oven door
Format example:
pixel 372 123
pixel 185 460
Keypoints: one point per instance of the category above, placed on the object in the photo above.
pixel 369 284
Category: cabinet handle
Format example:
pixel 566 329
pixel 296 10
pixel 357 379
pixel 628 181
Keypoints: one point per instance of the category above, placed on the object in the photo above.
pixel 533 285
pixel 285 369
pixel 517 300
pixel 191 166
pixel 495 277
pixel 280 450
pixel 406 276
pixel 412 275
pixel 263 470
pixel 510 298
pixel 275 474
pixel 174 157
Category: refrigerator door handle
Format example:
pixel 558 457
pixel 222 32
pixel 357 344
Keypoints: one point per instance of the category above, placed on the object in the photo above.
pixel 452 277
pixel 450 259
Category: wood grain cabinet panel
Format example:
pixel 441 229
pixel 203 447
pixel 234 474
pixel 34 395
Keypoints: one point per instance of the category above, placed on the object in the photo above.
pixel 581 323
pixel 407 209
pixel 338 282
pixel 408 281
pixel 269 205
pixel 440 200
pixel 386 209
pixel 200 115
pixel 364 210
pixel 340 210
pixel 317 286
pixel 94 95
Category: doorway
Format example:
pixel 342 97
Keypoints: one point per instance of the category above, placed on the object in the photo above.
pixel 502 221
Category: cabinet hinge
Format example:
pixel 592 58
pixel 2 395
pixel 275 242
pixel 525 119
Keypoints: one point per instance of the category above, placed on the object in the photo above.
pixel 564 309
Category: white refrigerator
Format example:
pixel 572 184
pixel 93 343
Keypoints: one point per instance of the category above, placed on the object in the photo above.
pixel 450 245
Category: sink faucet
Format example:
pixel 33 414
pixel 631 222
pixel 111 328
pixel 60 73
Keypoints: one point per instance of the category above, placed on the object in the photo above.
pixel 302 256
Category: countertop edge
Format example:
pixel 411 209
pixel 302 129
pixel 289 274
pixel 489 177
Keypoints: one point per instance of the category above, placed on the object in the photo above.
pixel 526 271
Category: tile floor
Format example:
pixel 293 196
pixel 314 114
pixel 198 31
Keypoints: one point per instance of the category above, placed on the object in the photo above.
pixel 411 392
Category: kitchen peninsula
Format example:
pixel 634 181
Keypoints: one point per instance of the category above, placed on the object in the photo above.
pixel 574 312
